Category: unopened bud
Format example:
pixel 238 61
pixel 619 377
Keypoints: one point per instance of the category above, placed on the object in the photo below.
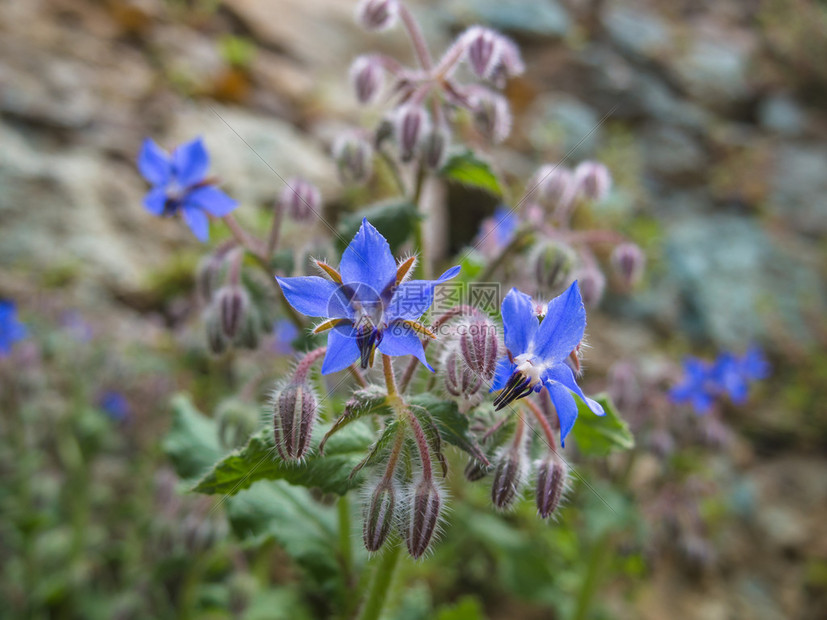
pixel 206 277
pixel 354 158
pixel 628 261
pixel 553 185
pixel 232 303
pixel 461 382
pixel 592 180
pixel 476 470
pixel 216 340
pixel 294 413
pixel 301 199
pixel 377 14
pixel 435 148
pixel 592 283
pixel 426 504
pixel 237 420
pixel 551 482
pixel 483 50
pixel 479 343
pixel 250 334
pixel 551 263
pixel 411 125
pixel 510 62
pixel 379 516
pixel 509 472
pixel 368 77
pixel 492 116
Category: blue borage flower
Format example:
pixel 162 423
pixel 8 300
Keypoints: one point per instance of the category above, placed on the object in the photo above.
pixel 180 184
pixel 537 353
pixel 369 304
pixel 115 405
pixel 11 330
pixel 698 387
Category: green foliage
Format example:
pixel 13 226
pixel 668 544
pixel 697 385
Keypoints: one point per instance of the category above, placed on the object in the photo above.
pixel 467 168
pixel 601 435
pixel 395 220
pixel 192 444
pixel 453 426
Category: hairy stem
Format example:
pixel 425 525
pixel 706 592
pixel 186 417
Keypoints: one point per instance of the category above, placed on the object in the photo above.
pixel 275 230
pixel 357 374
pixel 422 446
pixel 390 378
pixel 345 545
pixel 417 39
pixel 382 578
pixel 544 424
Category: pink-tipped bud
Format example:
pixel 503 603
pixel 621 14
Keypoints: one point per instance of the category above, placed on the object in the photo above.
pixel 377 14
pixel 592 283
pixel 368 77
pixel 593 181
pixel 483 50
pixel 479 344
pixel 551 482
pixel 301 199
pixel 628 262
pixel 294 414
pixel 461 382
pixel 411 124
pixel 553 185
pixel 379 516
pixel 426 504
pixel 354 158
pixel 551 263
pixel 492 115
pixel 233 304
pixel 476 470
pixel 509 472
pixel 435 148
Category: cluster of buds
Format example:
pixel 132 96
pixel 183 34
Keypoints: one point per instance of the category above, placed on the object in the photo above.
pixel 426 97
pixel 470 361
pixel 295 409
pixel 300 199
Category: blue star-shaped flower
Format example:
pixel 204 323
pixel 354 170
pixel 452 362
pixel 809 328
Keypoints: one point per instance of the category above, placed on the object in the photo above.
pixel 11 330
pixel 537 352
pixel 180 184
pixel 369 303
pixel 734 374
pixel 699 386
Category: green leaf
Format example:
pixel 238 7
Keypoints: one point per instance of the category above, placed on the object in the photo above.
pixel 258 460
pixel 601 435
pixel 452 425
pixel 395 220
pixel 192 443
pixel 468 169
pixel 369 400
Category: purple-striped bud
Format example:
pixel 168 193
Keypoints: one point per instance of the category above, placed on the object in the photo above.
pixel 592 283
pixel 509 474
pixel 216 340
pixel 492 115
pixel 476 470
pixel 368 77
pixel 435 147
pixel 479 344
pixel 233 304
pixel 553 185
pixel 510 62
pixel 377 14
pixel 483 50
pixel 301 199
pixel 592 180
pixel 206 277
pixel 354 158
pixel 551 263
pixel 461 382
pixel 379 516
pixel 628 261
pixel 426 504
pixel 551 483
pixel 294 414
pixel 411 124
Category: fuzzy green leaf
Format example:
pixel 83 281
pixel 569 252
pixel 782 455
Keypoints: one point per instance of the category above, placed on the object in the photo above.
pixel 395 220
pixel 370 400
pixel 470 170
pixel 192 443
pixel 601 435
pixel 452 425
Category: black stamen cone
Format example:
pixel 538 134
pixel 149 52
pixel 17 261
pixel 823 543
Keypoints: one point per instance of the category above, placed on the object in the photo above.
pixel 517 387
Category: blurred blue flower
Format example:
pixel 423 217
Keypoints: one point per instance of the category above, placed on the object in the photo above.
pixel 284 333
pixel 730 375
pixel 498 230
pixel 115 405
pixel 537 353
pixel 368 303
pixel 180 184
pixel 11 330
pixel 698 386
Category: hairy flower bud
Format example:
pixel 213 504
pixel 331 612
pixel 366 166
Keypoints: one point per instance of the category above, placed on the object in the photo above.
pixel 354 158
pixel 483 50
pixel 206 277
pixel 478 344
pixel 553 185
pixel 592 180
pixel 592 283
pixel 628 262
pixel 461 382
pixel 216 340
pixel 367 77
pixel 551 482
pixel 551 263
pixel 294 413
pixel 492 115
pixel 411 124
pixel 475 470
pixel 377 14
pixel 435 147
pixel 301 199
pixel 237 420
pixel 233 304
pixel 509 472
pixel 379 516
pixel 426 504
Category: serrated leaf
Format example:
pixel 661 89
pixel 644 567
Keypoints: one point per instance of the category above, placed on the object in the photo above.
pixel 192 443
pixel 453 426
pixel 258 460
pixel 601 435
pixel 395 220
pixel 369 400
pixel 466 168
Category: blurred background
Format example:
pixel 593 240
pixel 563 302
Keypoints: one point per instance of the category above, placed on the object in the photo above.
pixel 710 117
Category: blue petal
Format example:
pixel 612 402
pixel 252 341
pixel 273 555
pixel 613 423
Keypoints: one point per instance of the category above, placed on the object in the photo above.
pixel 191 162
pixel 565 406
pixel 562 328
pixel 368 259
pixel 198 222
pixel 155 200
pixel 505 368
pixel 315 296
pixel 519 322
pixel 562 374
pixel 399 339
pixel 212 200
pixel 154 163
pixel 342 350
pixel 413 298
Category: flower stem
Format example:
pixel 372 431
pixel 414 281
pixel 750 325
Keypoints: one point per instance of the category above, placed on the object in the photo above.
pixel 357 374
pixel 423 266
pixel 275 230
pixel 345 546
pixel 390 378
pixel 380 585
pixel 544 424
pixel 417 40
pixel 591 580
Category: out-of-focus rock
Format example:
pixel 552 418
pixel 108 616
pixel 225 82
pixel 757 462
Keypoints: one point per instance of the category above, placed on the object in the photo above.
pixel 799 187
pixel 546 18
